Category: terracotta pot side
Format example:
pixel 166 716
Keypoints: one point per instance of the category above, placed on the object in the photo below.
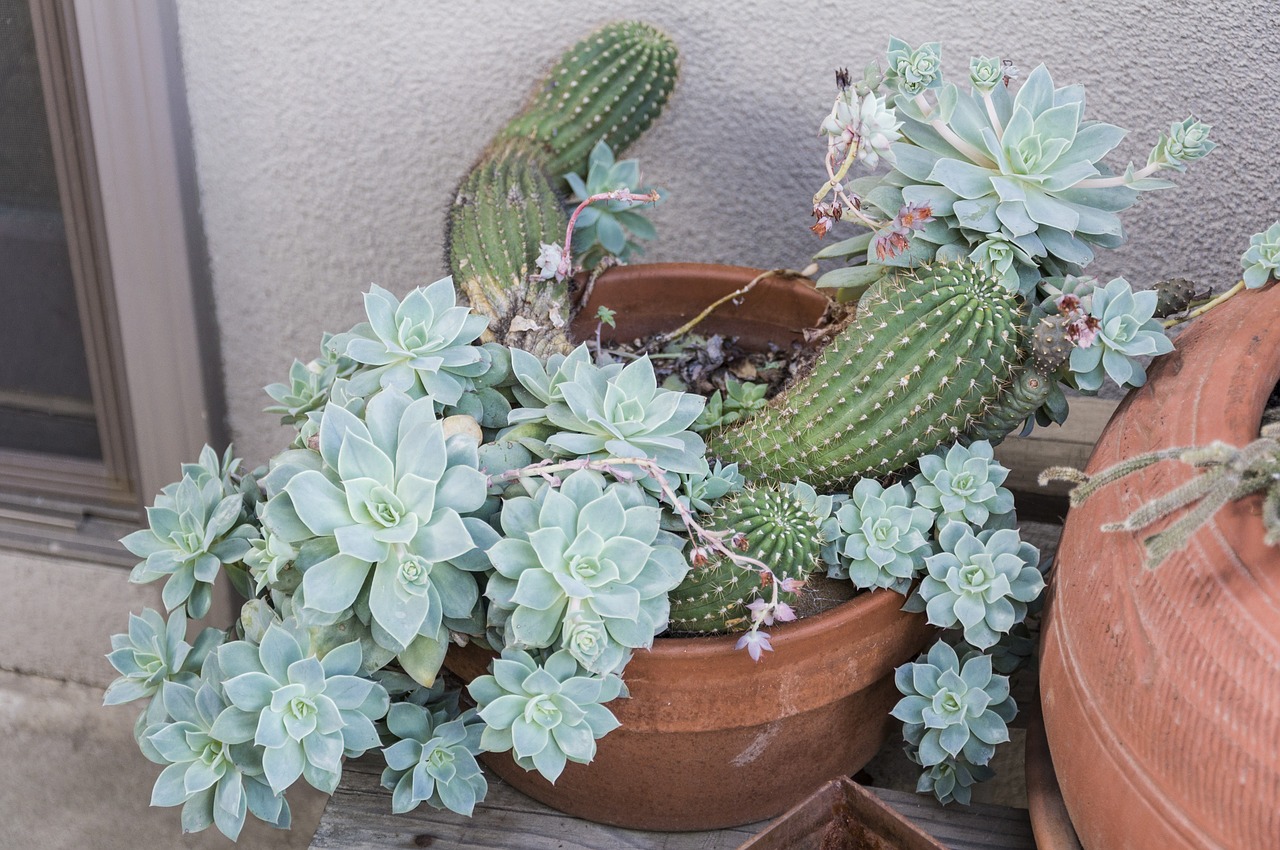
pixel 1161 689
pixel 709 738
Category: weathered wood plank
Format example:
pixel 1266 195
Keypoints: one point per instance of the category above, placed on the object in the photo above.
pixel 359 817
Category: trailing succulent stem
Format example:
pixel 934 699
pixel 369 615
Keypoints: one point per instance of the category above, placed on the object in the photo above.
pixel 927 355
pixel 1029 390
pixel 775 526
pixel 501 216
pixel 610 86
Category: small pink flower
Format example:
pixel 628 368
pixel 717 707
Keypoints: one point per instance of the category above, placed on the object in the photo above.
pixel 756 643
pixel 783 613
pixel 913 216
pixel 791 585
pixel 891 243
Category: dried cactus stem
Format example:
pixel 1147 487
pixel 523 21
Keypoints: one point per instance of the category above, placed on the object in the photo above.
pixel 501 215
pixel 928 354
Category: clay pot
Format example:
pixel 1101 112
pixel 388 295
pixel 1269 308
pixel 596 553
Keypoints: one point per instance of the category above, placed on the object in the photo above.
pixel 1161 689
pixel 709 738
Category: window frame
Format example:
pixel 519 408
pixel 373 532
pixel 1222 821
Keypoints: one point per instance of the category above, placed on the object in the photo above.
pixel 112 82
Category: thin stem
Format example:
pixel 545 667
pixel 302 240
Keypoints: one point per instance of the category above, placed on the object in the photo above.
pixel 975 155
pixel 737 293
pixel 991 113
pixel 566 260
pixel 1117 180
pixel 1200 311
pixel 837 176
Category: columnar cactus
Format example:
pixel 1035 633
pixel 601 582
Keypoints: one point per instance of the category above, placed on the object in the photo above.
pixel 1029 390
pixel 779 526
pixel 928 353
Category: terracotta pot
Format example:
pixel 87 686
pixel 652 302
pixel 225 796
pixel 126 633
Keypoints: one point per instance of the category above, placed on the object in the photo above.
pixel 710 739
pixel 1161 689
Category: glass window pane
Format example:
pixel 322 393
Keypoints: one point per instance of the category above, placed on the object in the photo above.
pixel 46 402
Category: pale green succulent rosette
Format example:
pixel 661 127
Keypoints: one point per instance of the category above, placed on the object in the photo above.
pixel 1126 331
pixel 433 759
pixel 420 346
pixel 962 484
pixel 194 530
pixel 878 538
pixel 153 652
pixel 953 712
pixel 981 583
pixel 544 715
pixel 910 71
pixel 376 516
pixel 540 385
pixel 608 228
pixel 626 415
pixel 1261 261
pixel 304 712
pixel 215 780
pixel 586 568
pixel 740 400
pixel 985 74
pixel 1025 185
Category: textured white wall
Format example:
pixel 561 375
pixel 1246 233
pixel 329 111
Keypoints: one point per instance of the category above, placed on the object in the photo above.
pixel 329 136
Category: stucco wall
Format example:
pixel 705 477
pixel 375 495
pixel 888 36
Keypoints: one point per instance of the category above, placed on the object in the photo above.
pixel 329 136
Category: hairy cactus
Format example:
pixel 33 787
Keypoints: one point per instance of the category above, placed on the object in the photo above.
pixel 610 86
pixel 928 353
pixel 781 527
pixel 502 214
pixel 1030 389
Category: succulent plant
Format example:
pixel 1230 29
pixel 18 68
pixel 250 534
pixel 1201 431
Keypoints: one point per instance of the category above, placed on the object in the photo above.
pixel 215 780
pixel 929 351
pixel 912 71
pixel 153 652
pixel 544 715
pixel 1173 295
pixel 952 709
pixel 268 559
pixel 539 385
pixel 304 712
pixel 780 527
pixel 421 345
pixel 699 491
pixel 602 411
pixel 609 228
pixel 950 780
pixel 981 582
pixel 307 390
pixel 585 568
pixel 1126 331
pixel 194 529
pixel 433 759
pixel 740 400
pixel 1261 261
pixel 379 510
pixel 1030 390
pixel 865 120
pixel 962 484
pixel 877 538
pixel 985 74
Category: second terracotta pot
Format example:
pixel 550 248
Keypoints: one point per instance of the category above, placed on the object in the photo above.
pixel 709 738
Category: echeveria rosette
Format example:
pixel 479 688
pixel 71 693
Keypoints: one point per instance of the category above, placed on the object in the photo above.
pixel 866 119
pixel 544 715
pixel 1126 331
pixel 951 780
pixel 608 228
pixel 421 345
pixel 193 531
pixel 1025 183
pixel 433 759
pixel 952 709
pixel 878 538
pixel 307 390
pixel 962 484
pixel 215 780
pixel 985 73
pixel 584 567
pixel 153 652
pixel 1261 262
pixel 304 712
pixel 268 560
pixel 382 507
pixel 539 384
pixel 912 71
pixel 979 582
pixel 627 415
pixel 1185 142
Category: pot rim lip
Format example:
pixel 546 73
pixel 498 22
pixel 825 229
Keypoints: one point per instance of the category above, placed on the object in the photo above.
pixel 866 604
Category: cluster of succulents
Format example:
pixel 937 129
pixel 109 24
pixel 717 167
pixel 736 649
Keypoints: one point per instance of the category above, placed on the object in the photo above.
pixel 463 474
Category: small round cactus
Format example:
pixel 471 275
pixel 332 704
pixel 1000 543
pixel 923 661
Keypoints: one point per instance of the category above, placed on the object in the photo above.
pixel 1050 345
pixel 1173 296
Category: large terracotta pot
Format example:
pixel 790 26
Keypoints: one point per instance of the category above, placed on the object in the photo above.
pixel 1161 689
pixel 710 739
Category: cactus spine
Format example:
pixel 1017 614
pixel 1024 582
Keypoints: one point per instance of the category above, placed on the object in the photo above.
pixel 780 531
pixel 611 86
pixel 927 354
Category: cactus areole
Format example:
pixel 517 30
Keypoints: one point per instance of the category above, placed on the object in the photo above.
pixel 929 352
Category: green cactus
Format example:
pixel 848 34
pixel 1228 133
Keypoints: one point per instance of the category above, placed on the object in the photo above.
pixel 777 526
pixel 1029 390
pixel 929 352
pixel 500 217
pixel 611 85
pixel 1173 296
pixel 1050 345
